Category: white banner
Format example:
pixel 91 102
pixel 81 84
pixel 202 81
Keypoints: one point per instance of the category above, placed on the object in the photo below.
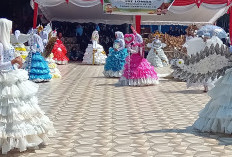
pixel 137 7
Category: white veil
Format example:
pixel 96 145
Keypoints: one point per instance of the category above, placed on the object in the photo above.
pixel 5 30
pixel 36 40
pixel 119 36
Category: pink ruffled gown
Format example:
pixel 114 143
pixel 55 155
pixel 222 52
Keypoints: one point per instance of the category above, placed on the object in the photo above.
pixel 138 72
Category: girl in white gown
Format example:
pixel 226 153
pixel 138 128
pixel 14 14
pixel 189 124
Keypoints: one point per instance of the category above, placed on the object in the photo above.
pixel 23 123
pixel 196 45
pixel 18 39
pixel 156 55
pixel 95 53
pixel 217 114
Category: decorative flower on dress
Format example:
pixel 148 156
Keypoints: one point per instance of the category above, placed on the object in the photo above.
pixel 180 63
pixel 129 38
pixel 116 45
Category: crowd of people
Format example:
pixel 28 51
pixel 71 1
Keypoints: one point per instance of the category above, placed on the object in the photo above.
pixel 176 31
pixel 82 34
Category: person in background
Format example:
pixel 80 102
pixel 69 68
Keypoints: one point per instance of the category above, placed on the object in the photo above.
pixel 97 28
pixel 76 54
pixel 79 31
pixel 59 50
pixel 60 36
pixel 177 32
pixel 170 32
pixel 182 32
pixel 157 33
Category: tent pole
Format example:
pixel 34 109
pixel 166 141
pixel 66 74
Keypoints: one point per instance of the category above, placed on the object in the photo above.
pixel 160 28
pixel 35 15
pixel 230 25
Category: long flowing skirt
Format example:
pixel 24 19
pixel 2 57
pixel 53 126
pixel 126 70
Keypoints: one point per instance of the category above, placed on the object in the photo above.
pixel 99 57
pixel 115 63
pixel 23 123
pixel 38 68
pixel 157 58
pixel 54 71
pixel 217 114
pixel 138 72
pixel 60 52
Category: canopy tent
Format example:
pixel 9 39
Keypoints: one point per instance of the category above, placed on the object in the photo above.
pixel 188 14
pixel 182 12
pixel 79 11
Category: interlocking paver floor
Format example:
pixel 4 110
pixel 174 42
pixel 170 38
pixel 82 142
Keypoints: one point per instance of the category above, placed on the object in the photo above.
pixel 93 117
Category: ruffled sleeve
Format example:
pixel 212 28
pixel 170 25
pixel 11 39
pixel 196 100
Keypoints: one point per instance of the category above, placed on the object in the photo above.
pixel 3 65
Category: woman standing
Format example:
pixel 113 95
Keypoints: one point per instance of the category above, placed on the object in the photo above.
pixel 94 53
pixel 60 51
pixel 35 64
pixel 216 116
pixel 156 55
pixel 23 123
pixel 137 70
pixel 117 57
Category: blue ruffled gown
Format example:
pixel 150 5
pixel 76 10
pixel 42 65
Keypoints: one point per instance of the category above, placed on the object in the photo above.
pixel 115 62
pixel 37 67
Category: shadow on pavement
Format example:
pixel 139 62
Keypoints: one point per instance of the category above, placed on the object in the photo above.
pixel 186 92
pixel 223 139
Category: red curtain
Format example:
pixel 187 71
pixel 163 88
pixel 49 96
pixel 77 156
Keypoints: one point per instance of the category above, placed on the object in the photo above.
pixel 230 25
pixel 183 2
pixel 198 2
pixel 35 15
pixel 138 23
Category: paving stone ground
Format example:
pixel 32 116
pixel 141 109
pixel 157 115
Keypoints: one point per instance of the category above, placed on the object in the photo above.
pixel 94 117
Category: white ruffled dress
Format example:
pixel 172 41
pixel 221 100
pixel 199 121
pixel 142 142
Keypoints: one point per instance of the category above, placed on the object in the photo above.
pixel 99 55
pixel 23 123
pixel 54 71
pixel 205 65
pixel 217 115
pixel 156 55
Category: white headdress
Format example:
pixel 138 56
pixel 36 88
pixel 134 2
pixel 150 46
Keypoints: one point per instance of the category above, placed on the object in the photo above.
pixel 54 33
pixel 119 35
pixel 95 36
pixel 36 40
pixel 5 29
pixel 17 33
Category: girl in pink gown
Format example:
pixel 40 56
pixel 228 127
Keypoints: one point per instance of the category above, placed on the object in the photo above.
pixel 137 70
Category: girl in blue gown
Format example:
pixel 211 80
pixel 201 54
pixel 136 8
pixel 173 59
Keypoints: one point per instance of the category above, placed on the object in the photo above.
pixel 36 65
pixel 117 57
